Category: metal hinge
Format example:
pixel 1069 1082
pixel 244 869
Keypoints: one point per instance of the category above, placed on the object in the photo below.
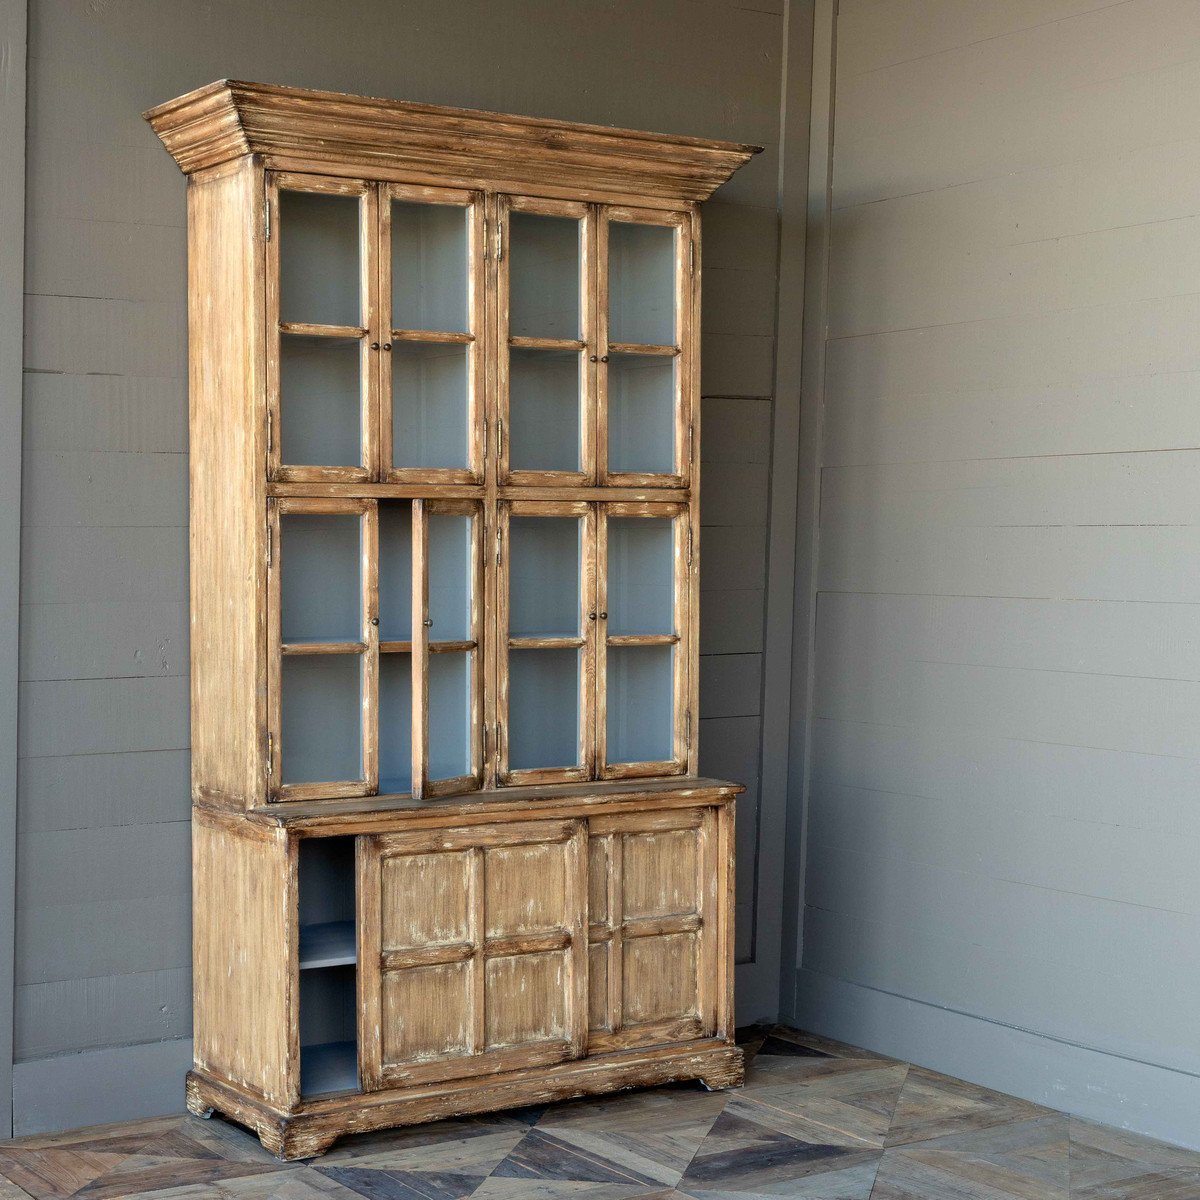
pixel 499 241
pixel 266 215
pixel 687 727
pixel 499 540
pixel 270 432
pixel 692 440
pixel 497 743
pixel 270 754
pixel 689 543
pixel 486 228
pixel 270 542
pixel 485 438
pixel 691 258
pixel 499 437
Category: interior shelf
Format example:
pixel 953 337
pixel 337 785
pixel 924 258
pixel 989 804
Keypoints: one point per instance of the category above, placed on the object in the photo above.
pixel 328 944
pixel 329 1067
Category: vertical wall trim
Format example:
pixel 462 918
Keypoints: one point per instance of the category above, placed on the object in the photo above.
pixel 13 26
pixel 808 505
pixel 762 1001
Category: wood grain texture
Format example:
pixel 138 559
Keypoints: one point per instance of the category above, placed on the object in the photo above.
pixel 245 957
pixel 288 126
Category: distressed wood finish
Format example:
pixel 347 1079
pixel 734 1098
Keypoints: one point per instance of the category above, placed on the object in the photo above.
pixel 290 128
pixel 507 935
pixel 246 954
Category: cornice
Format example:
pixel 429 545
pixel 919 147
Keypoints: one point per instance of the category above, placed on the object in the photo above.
pixel 297 129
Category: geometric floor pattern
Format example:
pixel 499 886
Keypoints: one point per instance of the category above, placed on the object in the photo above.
pixel 816 1119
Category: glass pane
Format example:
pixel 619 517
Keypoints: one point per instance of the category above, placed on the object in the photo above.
pixel 429 267
pixel 543 709
pixel 641 575
pixel 543 410
pixel 321 738
pixel 319 563
pixel 641 413
pixel 429 404
pixel 395 723
pixel 449 716
pixel 641 284
pixel 319 400
pixel 450 553
pixel 395 571
pixel 543 577
pixel 543 275
pixel 640 703
pixel 318 259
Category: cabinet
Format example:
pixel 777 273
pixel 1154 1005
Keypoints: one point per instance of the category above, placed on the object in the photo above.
pixel 451 848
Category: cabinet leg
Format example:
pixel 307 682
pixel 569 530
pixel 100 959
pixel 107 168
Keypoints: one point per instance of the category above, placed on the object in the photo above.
pixel 196 1105
pixel 289 1142
pixel 729 1074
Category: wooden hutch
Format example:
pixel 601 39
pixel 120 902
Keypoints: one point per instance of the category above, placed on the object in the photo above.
pixel 450 849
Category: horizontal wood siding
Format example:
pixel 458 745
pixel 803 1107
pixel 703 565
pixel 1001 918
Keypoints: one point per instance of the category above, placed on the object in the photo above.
pixel 1004 748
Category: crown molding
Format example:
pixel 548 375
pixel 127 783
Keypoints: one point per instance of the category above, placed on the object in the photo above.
pixel 298 129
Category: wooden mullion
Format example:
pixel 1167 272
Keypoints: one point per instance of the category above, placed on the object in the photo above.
pixel 690 650
pixel 599 646
pixel 290 649
pixel 383 361
pixel 546 643
pixel 420 648
pixel 547 343
pixel 433 336
pixel 682 714
pixel 477 308
pixel 303 329
pixel 274 458
pixel 273 750
pixel 599 406
pixel 501 293
pixel 499 565
pixel 370 665
pixel 644 348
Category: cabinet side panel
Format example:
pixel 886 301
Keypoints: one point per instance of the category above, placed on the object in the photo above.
pixel 227 464
pixel 244 886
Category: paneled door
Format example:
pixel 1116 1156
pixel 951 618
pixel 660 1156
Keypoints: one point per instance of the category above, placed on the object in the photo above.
pixel 472 950
pixel 375 628
pixel 431 397
pixel 643 722
pixel 547 621
pixel 655 967
pixel 646 337
pixel 547 351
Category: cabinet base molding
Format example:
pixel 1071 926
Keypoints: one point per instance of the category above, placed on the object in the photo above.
pixel 313 1126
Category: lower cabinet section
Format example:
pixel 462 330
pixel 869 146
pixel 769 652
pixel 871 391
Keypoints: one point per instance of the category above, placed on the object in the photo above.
pixel 438 971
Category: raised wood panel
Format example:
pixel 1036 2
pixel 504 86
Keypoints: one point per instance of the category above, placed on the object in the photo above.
pixel 427 899
pixel 523 889
pixel 659 978
pixel 528 999
pixel 661 874
pixel 426 1012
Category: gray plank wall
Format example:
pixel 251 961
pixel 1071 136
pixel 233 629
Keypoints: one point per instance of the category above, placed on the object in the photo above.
pixel 1004 819
pixel 102 960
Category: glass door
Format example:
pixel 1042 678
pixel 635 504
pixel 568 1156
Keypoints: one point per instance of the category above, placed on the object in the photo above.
pixel 324 634
pixel 432 368
pixel 447 661
pixel 641 671
pixel 546 373
pixel 547 622
pixel 645 335
pixel 321 345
